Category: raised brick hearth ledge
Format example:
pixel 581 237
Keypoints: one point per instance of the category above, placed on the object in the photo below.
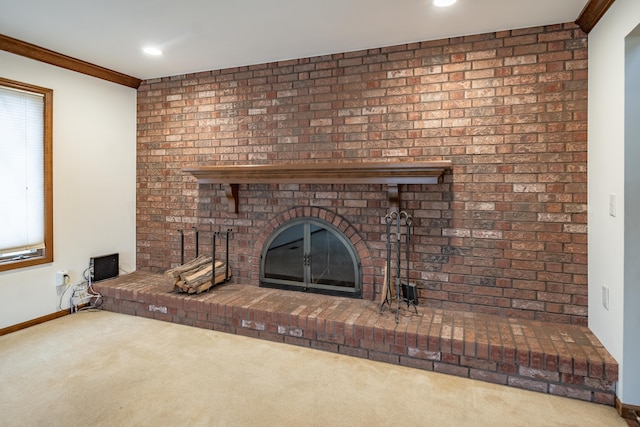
pixel 565 360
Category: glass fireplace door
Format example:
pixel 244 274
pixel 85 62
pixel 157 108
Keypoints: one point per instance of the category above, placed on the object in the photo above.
pixel 312 256
pixel 285 258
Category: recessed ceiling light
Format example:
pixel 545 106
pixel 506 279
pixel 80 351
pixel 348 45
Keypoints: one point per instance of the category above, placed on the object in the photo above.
pixel 443 3
pixel 152 51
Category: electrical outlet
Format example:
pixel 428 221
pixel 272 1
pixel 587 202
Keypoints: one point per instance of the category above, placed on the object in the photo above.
pixel 605 297
pixel 62 278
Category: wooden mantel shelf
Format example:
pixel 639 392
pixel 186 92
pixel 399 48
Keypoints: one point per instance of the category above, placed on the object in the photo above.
pixel 392 174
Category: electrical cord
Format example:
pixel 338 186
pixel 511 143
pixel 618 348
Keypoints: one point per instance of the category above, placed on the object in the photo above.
pixel 66 289
pixel 95 299
pixel 74 307
pixel 86 274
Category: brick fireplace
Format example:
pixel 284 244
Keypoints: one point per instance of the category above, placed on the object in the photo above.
pixel 498 242
pixel 503 233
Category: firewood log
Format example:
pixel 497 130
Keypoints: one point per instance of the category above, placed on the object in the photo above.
pixel 203 286
pixel 194 278
pixel 221 276
pixel 172 274
pixel 179 285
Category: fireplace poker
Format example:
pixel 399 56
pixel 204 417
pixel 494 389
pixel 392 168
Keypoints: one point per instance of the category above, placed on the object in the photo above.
pixel 411 294
pixel 398 263
pixel 387 271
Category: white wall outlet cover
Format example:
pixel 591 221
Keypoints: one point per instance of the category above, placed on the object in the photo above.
pixel 62 277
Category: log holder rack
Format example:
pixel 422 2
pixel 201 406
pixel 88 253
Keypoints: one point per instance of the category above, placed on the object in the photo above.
pixel 223 235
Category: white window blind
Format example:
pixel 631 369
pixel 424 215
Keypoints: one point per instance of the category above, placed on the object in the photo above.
pixel 22 207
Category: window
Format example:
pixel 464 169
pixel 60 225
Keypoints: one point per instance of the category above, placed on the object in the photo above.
pixel 26 207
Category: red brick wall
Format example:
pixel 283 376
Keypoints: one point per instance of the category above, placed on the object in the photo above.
pixel 504 233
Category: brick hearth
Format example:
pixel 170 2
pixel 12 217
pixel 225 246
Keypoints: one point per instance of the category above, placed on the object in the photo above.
pixel 560 359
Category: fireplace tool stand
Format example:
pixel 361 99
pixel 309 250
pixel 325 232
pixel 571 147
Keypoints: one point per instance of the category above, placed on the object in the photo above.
pixel 405 291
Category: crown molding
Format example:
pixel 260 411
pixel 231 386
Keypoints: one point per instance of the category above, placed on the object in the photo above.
pixel 41 54
pixel 591 14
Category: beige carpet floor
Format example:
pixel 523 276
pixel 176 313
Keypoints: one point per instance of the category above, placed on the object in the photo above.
pixel 106 369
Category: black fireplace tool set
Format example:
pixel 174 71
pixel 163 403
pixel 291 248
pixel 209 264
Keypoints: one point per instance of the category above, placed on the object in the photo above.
pixel 224 235
pixel 405 291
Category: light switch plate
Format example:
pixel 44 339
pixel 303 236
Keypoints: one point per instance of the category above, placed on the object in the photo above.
pixel 605 297
pixel 612 204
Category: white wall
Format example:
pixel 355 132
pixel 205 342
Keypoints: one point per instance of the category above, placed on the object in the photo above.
pixel 631 347
pixel 607 234
pixel 94 183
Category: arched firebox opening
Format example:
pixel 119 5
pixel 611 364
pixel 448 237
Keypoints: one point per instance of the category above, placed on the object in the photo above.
pixel 311 255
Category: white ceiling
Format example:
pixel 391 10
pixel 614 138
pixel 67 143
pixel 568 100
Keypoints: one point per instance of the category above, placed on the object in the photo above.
pixel 199 35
